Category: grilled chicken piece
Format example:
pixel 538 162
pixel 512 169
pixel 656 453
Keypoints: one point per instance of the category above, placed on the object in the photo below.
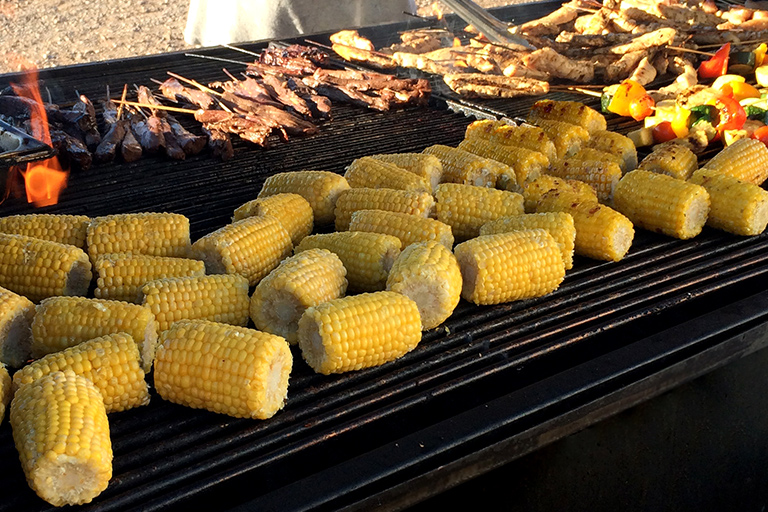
pixel 479 85
pixel 352 39
pixel 549 61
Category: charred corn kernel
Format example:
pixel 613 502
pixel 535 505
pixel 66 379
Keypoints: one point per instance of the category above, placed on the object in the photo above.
pixel 602 233
pixel 428 273
pixel 735 206
pixel 567 138
pixel 111 362
pixel 404 201
pixel 601 176
pixel 663 204
pixel 461 166
pixel 426 167
pixel 745 159
pixel 61 432
pixel 293 211
pixel 6 390
pixel 301 281
pixel 673 160
pixel 218 298
pixel 39 268
pixel 360 331
pixel 320 188
pixel 155 234
pixel 527 164
pixel 586 154
pixel 16 313
pixel 466 208
pixel 572 112
pixel 64 229
pixel 367 172
pixel 615 144
pixel 223 368
pixel 121 276
pixel 366 256
pixel 62 322
pixel 408 228
pixel 525 136
pixel 509 266
pixel 535 190
pixel 251 247
pixel 558 224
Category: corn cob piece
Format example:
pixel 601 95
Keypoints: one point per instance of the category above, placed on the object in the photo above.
pixel 218 298
pixel 745 159
pixel 615 144
pixel 586 154
pixel 39 268
pixel 524 136
pixel 307 279
pixel 62 322
pixel 320 188
pixel 223 368
pixel 735 206
pixel 463 167
pixel 567 138
pixel 64 229
pixel 535 190
pixel 61 432
pixel 572 112
pixel 673 160
pixel 366 256
pixel 6 390
pixel 121 276
pixel 293 211
pixel 251 247
pixel 466 208
pixel 408 228
pixel 601 176
pixel 428 273
pixel 558 224
pixel 404 201
pixel 509 266
pixel 426 167
pixel 367 172
pixel 155 234
pixel 359 331
pixel 111 362
pixel 663 204
pixel 527 164
pixel 16 313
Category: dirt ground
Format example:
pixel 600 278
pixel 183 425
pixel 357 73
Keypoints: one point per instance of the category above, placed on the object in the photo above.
pixel 50 33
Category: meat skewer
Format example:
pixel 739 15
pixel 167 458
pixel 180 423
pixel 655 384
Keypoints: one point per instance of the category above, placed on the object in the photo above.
pixel 113 137
pixel 191 144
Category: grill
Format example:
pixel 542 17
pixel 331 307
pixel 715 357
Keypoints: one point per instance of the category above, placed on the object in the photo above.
pixel 491 385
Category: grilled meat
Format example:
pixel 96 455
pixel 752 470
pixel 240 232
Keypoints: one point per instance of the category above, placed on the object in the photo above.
pixel 130 149
pixel 191 144
pixel 220 143
pixel 71 149
pixel 286 96
pixel 175 91
pixel 110 143
pixel 149 133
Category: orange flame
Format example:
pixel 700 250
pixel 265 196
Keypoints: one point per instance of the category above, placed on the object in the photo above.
pixel 456 42
pixel 437 10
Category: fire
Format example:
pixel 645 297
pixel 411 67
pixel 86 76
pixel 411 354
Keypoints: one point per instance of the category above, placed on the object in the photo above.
pixel 437 10
pixel 456 42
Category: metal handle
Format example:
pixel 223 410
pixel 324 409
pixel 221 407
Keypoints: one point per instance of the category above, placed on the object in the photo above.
pixel 494 29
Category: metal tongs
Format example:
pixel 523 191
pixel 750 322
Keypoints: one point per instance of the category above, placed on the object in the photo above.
pixel 494 29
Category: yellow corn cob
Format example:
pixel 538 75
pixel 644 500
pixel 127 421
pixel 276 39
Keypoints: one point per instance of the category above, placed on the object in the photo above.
pixel 251 247
pixel 404 201
pixel 535 190
pixel 16 313
pixel 293 211
pixel 301 281
pixel 673 160
pixel 558 224
pixel 61 432
pixel 320 188
pixel 359 332
pixel 64 229
pixel 615 144
pixel 62 322
pixel 6 390
pixel 366 256
pixel 367 172
pixel 525 136
pixel 223 368
pixel 735 206
pixel 466 208
pixel 111 362
pixel 426 167
pixel 601 176
pixel 39 268
pixel 428 273
pixel 586 154
pixel 509 266
pixel 527 164
pixel 663 204
pixel 408 228
pixel 745 159
pixel 218 298
pixel 121 276
pixel 155 234
pixel 567 138
pixel 571 112
pixel 461 166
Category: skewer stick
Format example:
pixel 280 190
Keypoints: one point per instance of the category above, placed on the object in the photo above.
pixel 158 107
pixel 195 83
pixel 241 50
pixel 120 107
pixel 718 45
pixel 581 90
pixel 216 58
pixel 690 50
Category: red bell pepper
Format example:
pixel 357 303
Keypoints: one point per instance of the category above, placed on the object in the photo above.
pixel 761 134
pixel 717 65
pixel 731 114
pixel 663 132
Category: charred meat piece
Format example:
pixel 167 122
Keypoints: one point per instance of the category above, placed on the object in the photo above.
pixel 71 149
pixel 172 145
pixel 110 143
pixel 109 113
pixel 320 106
pixel 248 89
pixel 252 129
pixel 20 107
pixel 146 97
pixel 191 144
pixel 130 149
pixel 296 58
pixel 149 133
pixel 220 143
pixel 272 116
pixel 80 122
pixel 175 91
pixel 346 95
pixel 286 96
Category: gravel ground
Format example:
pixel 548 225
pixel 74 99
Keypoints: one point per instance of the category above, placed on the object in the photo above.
pixel 54 33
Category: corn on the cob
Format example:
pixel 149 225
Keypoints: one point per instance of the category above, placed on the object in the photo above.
pixel 320 188
pixel 293 211
pixel 111 362
pixel 121 276
pixel 567 138
pixel 61 432
pixel 16 313
pixel 527 164
pixel 359 331
pixel 426 167
pixel 663 204
pixel 366 256
pixel 307 279
pixel 64 229
pixel 601 176
pixel 155 234
pixel 367 172
pixel 408 228
pixel 586 154
pixel 466 208
pixel 251 247
pixel 404 201
pixel 745 159
pixel 735 206
pixel 525 136
pixel 39 268
pixel 463 167
pixel 615 144
pixel 428 273
pixel 6 390
pixel 571 112
pixel 558 224
pixel 509 266
pixel 673 160
pixel 62 322
pixel 535 190
pixel 223 368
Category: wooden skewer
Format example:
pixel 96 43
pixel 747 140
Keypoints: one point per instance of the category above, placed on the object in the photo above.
pixel 690 50
pixel 193 82
pixel 586 91
pixel 159 107
pixel 120 107
pixel 718 45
